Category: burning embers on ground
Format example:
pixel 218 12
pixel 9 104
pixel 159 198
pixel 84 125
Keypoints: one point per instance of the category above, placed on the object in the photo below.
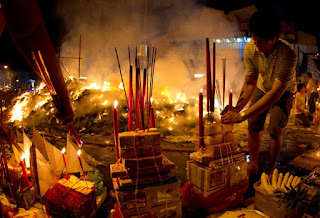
pixel 176 114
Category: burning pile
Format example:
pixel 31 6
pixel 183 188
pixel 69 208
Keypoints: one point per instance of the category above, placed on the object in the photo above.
pixel 175 117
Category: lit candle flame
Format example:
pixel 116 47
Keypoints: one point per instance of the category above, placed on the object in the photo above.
pixel 115 104
pixel 121 86
pixel 151 100
pixel 201 90
pixel 23 156
pixel 79 153
pixel 63 150
pixel 230 90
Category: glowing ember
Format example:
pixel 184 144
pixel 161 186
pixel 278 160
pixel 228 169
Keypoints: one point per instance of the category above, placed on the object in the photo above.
pixel 79 152
pixel 106 86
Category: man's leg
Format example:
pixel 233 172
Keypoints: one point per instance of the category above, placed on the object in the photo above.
pixel 255 126
pixel 254 141
pixel 274 151
pixel 279 115
pixel 305 121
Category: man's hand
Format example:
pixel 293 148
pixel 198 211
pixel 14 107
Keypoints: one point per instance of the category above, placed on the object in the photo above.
pixel 231 117
pixel 226 109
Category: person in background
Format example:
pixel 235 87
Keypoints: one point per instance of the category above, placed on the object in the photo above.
pixel 312 93
pixel 302 115
pixel 270 83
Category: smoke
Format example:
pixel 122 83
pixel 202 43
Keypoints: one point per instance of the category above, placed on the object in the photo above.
pixel 177 28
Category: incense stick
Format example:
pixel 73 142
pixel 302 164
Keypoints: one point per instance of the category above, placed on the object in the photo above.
pixel 218 94
pixel 124 88
pixel 152 72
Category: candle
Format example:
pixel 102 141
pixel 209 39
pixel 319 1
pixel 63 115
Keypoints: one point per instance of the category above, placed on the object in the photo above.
pixel 144 89
pixel 24 172
pixel 213 76
pixel 63 156
pixel 230 100
pixel 208 75
pixel 79 153
pixel 130 100
pixel 137 96
pixel 223 78
pixel 116 128
pixel 152 123
pixel 201 143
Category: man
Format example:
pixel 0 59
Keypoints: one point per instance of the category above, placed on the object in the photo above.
pixel 312 93
pixel 302 115
pixel 270 80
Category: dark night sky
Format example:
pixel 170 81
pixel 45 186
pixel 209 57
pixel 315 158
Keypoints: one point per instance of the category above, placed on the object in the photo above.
pixel 9 55
pixel 305 17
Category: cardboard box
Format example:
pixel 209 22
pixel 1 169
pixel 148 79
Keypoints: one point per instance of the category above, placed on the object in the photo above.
pixel 219 138
pixel 271 205
pixel 212 179
pixel 210 152
pixel 139 139
pixel 16 177
pixel 25 198
pixel 165 210
pixel 145 151
pixel 208 179
pixel 148 197
pixel 143 161
pixel 119 169
pixel 23 194
pixel 68 199
pixel 150 179
pixel 227 160
pixel 217 128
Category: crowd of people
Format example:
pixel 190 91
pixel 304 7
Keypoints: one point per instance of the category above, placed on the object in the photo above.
pixel 307 110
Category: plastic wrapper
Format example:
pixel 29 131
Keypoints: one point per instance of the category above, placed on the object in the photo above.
pixel 219 201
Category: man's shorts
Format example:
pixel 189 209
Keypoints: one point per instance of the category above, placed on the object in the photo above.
pixel 279 113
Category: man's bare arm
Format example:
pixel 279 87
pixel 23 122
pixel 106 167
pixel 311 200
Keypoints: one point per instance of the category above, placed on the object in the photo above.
pixel 246 93
pixel 268 99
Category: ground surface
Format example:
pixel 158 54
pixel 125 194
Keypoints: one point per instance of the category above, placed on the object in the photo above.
pixel 297 140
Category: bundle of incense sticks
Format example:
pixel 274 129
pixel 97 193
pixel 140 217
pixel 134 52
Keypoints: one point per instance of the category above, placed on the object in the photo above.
pixel 43 72
pixel 138 107
pixel 211 80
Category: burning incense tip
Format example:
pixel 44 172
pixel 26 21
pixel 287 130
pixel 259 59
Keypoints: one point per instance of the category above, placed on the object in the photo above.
pixel 63 150
pixel 23 156
pixel 115 104
pixel 79 153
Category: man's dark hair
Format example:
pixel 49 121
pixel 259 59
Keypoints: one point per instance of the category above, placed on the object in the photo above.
pixel 265 24
pixel 309 74
pixel 300 86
